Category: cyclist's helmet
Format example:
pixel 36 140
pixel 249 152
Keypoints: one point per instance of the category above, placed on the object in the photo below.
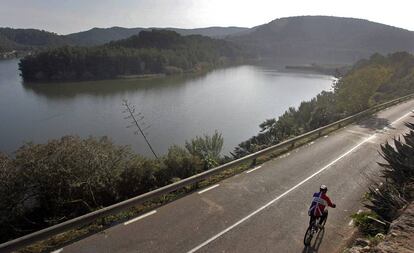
pixel 323 188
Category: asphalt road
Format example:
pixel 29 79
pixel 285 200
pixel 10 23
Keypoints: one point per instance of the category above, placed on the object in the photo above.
pixel 265 210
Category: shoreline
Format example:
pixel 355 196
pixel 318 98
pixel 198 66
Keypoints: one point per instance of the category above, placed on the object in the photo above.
pixel 141 76
pixel 334 70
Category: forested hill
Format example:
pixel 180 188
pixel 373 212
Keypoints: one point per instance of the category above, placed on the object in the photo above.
pixel 324 39
pixel 99 36
pixel 33 39
pixel 165 39
pixel 29 39
pixel 150 52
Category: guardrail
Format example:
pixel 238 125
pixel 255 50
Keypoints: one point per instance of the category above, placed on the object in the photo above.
pixel 116 208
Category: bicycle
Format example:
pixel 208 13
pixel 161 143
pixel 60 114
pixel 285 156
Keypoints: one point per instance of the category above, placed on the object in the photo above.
pixel 313 229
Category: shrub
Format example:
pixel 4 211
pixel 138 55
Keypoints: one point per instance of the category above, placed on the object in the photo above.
pixel 138 177
pixel 180 163
pixel 12 196
pixel 48 183
pixel 366 225
pixel 207 148
pixel 385 201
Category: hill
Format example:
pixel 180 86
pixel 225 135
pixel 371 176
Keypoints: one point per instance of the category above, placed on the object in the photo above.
pixel 99 36
pixel 324 39
pixel 33 39
pixel 29 39
pixel 150 52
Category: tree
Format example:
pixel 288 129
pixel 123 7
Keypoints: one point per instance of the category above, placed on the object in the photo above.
pixel 355 90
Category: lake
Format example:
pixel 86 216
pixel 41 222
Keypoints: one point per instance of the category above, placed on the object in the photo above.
pixel 233 100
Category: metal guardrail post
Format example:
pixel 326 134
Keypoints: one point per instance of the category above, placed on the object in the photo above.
pixel 118 207
pixel 254 162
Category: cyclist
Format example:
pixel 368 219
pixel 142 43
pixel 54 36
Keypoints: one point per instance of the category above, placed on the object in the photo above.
pixel 319 202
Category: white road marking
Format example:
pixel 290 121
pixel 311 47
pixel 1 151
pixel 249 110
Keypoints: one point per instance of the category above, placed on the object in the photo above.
pixel 255 168
pixel 375 142
pixel 140 217
pixel 279 197
pixel 209 188
pixel 356 132
pixel 405 115
pixel 287 154
pixel 57 251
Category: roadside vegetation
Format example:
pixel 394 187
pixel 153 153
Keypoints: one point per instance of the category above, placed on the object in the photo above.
pixel 368 83
pixel 149 52
pixel 386 201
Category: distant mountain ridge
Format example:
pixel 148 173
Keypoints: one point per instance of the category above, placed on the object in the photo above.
pixel 301 39
pixel 25 39
pixel 98 36
pixel 28 39
pixel 324 39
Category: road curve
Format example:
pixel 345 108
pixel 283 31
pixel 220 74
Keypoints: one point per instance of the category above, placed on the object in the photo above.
pixel 265 209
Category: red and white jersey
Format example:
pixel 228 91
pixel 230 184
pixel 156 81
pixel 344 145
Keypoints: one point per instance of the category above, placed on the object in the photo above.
pixel 319 202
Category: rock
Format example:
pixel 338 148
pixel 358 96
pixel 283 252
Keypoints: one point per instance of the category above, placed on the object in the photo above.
pixel 361 242
pixel 355 249
pixel 380 236
pixel 400 238
pixel 366 249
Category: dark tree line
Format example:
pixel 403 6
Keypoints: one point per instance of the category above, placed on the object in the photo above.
pixel 150 52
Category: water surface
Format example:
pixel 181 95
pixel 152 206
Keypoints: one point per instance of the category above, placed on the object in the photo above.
pixel 233 101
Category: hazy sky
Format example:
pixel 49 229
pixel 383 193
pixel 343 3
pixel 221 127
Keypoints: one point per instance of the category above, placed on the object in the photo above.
pixel 67 16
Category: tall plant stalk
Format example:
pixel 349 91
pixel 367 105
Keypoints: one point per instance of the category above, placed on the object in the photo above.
pixel 130 110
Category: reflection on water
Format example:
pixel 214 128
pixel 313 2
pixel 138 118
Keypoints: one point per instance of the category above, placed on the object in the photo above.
pixel 234 101
pixel 106 87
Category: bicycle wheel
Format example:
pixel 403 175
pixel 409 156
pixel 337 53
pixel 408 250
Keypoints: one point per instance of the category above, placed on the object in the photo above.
pixel 308 236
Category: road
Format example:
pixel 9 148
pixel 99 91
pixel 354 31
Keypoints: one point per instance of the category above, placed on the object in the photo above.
pixel 265 209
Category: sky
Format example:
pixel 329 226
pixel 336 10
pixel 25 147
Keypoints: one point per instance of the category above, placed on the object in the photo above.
pixel 69 16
